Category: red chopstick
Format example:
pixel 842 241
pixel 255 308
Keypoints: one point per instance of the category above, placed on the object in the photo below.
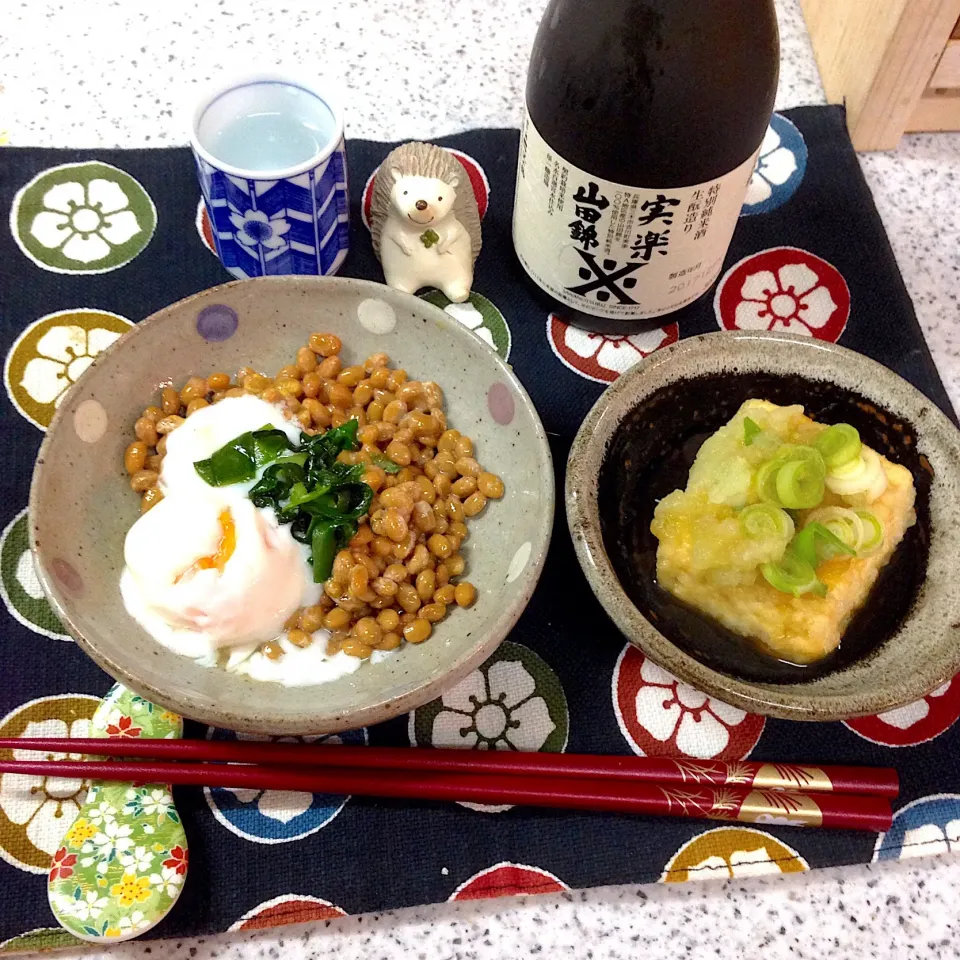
pixel 727 803
pixel 866 781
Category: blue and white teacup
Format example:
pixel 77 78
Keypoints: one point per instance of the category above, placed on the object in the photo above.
pixel 273 172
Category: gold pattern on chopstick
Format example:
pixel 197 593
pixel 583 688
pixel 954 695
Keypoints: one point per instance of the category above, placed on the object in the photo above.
pixel 738 773
pixel 785 776
pixel 690 803
pixel 697 772
pixel 772 806
pixel 725 804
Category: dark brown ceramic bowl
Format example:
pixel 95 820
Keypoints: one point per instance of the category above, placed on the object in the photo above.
pixel 905 642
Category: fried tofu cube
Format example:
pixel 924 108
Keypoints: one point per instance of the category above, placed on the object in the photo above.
pixel 703 560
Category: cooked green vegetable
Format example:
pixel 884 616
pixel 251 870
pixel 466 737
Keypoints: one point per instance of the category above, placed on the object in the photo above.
pixel 764 521
pixel 815 542
pixel 858 529
pixel 385 463
pixel 838 445
pixel 794 479
pixel 792 575
pixel 239 460
pixel 750 430
pixel 799 485
pixel 873 533
pixel 307 485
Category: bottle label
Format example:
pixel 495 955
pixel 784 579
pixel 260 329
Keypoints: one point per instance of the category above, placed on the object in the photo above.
pixel 617 251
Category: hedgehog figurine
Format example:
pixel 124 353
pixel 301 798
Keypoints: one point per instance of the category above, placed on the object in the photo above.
pixel 425 222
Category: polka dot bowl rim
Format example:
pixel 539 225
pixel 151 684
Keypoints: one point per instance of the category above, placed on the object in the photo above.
pixel 426 670
pixel 891 676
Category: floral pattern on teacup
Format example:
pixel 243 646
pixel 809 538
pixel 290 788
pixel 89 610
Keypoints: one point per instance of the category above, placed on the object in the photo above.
pixel 255 228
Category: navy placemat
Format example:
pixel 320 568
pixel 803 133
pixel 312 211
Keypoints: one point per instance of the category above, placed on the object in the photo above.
pixel 565 679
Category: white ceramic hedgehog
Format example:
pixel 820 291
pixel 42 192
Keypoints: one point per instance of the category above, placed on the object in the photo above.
pixel 424 221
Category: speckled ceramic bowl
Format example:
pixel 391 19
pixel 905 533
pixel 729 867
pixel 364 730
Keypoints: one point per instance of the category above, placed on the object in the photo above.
pixel 921 647
pixel 81 505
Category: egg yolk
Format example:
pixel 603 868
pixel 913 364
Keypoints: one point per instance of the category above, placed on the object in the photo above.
pixel 225 548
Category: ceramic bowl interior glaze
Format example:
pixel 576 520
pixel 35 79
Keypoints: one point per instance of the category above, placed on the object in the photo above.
pixel 81 505
pixel 636 446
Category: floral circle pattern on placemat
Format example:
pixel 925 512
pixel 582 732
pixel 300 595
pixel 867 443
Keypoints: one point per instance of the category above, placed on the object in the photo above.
pixel 204 228
pixel 787 290
pixel 918 722
pixel 779 170
pixel 922 828
pixel 479 315
pixel 19 585
pixel 36 812
pixel 276 816
pixel 286 909
pixel 661 716
pixel 732 852
pixel 51 353
pixel 41 939
pixel 86 217
pixel 508 880
pixel 513 701
pixel 475 174
pixel 602 357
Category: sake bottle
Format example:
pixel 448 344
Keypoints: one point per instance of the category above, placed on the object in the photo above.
pixel 643 122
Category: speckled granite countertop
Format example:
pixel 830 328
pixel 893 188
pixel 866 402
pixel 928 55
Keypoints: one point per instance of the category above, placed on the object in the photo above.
pixel 117 73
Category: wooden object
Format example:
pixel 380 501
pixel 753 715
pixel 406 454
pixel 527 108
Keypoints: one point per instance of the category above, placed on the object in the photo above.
pixel 882 59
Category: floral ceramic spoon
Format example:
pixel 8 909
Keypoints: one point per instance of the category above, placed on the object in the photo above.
pixel 122 863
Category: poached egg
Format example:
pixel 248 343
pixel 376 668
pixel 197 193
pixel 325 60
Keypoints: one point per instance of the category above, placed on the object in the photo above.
pixel 206 569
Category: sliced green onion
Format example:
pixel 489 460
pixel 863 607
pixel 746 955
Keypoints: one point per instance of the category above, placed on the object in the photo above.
pixel 793 479
pixel 800 485
pixel 873 533
pixel 865 475
pixel 764 521
pixel 803 453
pixel 838 445
pixel 842 522
pixel 792 575
pixel 767 483
pixel 750 429
pixel 815 542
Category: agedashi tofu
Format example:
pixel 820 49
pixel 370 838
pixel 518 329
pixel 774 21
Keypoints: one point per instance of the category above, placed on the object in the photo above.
pixel 783 529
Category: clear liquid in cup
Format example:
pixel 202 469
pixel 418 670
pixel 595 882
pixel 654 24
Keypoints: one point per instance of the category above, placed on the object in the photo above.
pixel 266 126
